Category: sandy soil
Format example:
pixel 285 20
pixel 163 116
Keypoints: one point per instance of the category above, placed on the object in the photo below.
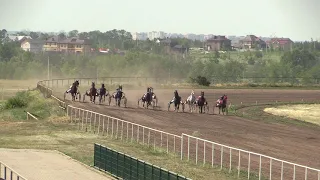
pixel 304 112
pixel 48 165
pixel 288 142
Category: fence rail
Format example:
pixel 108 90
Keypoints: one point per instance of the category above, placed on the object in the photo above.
pixel 31 115
pixel 7 172
pixel 200 150
pixel 120 129
pixel 212 153
pixel 127 167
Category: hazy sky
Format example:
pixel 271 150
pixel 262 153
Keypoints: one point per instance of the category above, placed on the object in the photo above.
pixel 297 19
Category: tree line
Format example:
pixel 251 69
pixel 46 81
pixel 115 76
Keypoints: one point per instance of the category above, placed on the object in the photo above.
pixel 218 68
pixel 301 65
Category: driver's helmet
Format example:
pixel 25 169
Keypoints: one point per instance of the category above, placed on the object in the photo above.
pixel 202 93
pixel 102 85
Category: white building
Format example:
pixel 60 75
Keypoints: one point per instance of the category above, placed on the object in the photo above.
pixel 139 36
pixel 156 34
pixel 32 45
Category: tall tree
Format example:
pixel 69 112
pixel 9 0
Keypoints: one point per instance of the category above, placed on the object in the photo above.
pixel 73 33
pixel 62 35
pixel 34 35
pixel 3 33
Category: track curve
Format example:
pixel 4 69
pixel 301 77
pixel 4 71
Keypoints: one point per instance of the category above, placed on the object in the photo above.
pixel 284 141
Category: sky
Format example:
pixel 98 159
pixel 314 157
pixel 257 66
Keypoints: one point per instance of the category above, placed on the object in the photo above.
pixel 296 19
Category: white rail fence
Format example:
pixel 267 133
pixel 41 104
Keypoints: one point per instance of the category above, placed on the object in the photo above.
pixel 7 173
pixel 31 115
pixel 201 151
pixel 205 152
pixel 120 129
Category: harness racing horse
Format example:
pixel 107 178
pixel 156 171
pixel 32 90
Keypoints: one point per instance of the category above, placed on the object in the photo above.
pixel 176 100
pixel 118 96
pixel 147 98
pixel 92 93
pixel 202 103
pixel 154 97
pixel 222 105
pixel 191 101
pixel 102 93
pixel 74 91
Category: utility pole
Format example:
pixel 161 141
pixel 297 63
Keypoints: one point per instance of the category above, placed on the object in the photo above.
pixel 48 68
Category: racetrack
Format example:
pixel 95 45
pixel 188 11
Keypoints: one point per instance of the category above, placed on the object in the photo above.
pixel 298 144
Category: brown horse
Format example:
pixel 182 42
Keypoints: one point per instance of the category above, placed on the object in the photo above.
pixel 92 93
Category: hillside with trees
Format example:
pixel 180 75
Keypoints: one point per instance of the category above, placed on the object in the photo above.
pixel 147 58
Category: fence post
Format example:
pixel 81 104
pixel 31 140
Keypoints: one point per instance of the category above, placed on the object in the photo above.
pixel 90 121
pixel 167 144
pixel 121 129
pixel 239 164
pixel 212 155
pixel 294 171
pixel 138 133
pixel 204 153
pixel 149 138
pixel 127 131
pixel 306 175
pixel 131 133
pixel 174 144
pixel 260 168
pixel 108 126
pixel 188 148
pixel 230 160
pixel 103 119
pixel 82 119
pixel 181 146
pixel 221 158
pixel 99 124
pixel 117 129
pixel 281 170
pixel 249 161
pixel 143 135
pixel 112 128
pixel 197 151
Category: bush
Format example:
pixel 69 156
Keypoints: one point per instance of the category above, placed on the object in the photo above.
pixel 20 100
pixel 15 102
pixel 202 81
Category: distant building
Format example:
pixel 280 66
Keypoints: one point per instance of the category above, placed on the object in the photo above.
pixel 218 43
pixel 74 45
pixel 51 44
pixel 139 36
pixel 284 44
pixel 12 38
pixel 252 42
pixel 70 45
pixel 32 45
pixel 156 35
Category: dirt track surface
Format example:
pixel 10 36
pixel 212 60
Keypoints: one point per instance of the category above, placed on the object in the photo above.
pixel 284 141
pixel 46 165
